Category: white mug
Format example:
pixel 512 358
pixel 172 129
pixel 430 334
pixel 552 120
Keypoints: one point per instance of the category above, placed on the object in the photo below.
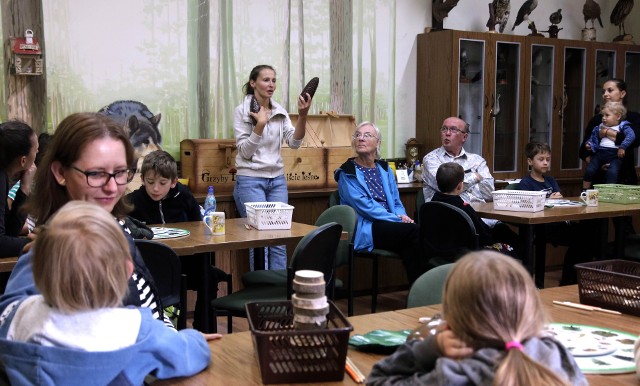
pixel 590 197
pixel 215 222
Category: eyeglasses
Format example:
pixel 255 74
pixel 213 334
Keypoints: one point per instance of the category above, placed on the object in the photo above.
pixel 363 136
pixel 452 130
pixel 100 179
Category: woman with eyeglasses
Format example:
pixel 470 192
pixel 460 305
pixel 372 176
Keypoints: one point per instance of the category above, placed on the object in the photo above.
pixel 367 184
pixel 90 159
pixel 259 138
pixel 18 149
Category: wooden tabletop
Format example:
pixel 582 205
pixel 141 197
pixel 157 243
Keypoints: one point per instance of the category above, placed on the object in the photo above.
pixel 234 359
pixel 556 214
pixel 237 236
pixel 7 263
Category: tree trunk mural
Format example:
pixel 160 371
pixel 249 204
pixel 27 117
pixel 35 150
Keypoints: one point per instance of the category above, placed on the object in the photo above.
pixel 301 43
pixel 198 72
pixel 341 68
pixel 26 96
pixel 360 37
pixel 374 68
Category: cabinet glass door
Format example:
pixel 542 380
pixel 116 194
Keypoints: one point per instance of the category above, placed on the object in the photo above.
pixel 471 91
pixel 605 70
pixel 541 106
pixel 632 79
pixel 504 112
pixel 572 107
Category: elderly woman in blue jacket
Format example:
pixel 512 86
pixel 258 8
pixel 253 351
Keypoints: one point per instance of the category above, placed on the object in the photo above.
pixel 368 185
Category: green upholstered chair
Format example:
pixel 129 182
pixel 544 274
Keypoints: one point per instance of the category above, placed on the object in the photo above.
pixel 316 251
pixel 341 214
pixel 374 255
pixel 428 288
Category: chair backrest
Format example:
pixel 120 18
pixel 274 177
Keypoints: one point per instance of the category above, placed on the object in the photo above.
pixel 419 203
pixel 317 251
pixel 334 198
pixel 428 288
pixel 345 216
pixel 165 268
pixel 447 232
pixel 512 186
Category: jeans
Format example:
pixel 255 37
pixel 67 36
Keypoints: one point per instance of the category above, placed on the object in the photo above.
pixel 601 157
pixel 258 189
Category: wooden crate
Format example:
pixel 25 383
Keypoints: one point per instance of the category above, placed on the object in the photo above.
pixel 327 144
pixel 327 130
pixel 304 168
pixel 336 156
pixel 209 162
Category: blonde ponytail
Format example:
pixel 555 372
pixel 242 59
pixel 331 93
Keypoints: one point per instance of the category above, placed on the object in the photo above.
pixel 518 369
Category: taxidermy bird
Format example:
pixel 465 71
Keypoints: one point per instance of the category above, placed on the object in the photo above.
pixel 501 12
pixel 524 12
pixel 620 12
pixel 591 11
pixel 441 9
pixel 556 17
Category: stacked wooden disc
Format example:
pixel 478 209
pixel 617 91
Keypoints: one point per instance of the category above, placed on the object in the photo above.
pixel 310 307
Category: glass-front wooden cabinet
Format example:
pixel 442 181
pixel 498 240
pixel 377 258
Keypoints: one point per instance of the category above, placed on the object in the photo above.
pixel 477 77
pixel 514 89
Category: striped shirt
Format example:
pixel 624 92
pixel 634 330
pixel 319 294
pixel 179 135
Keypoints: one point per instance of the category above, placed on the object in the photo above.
pixel 147 296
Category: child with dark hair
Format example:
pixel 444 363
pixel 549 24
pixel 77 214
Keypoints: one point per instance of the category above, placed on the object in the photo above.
pixel 539 160
pixel 163 199
pixel 450 180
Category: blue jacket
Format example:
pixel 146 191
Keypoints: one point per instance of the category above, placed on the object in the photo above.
pixel 158 350
pixel 21 282
pixel 355 193
pixel 625 127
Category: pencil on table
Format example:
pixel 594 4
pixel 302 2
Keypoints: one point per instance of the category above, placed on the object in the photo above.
pixel 359 377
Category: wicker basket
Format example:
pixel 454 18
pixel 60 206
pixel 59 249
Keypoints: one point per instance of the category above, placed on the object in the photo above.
pixel 611 284
pixel 286 355
pixel 618 194
pixel 518 200
pixel 269 215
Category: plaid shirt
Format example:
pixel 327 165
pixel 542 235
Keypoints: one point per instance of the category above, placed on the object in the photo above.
pixel 474 190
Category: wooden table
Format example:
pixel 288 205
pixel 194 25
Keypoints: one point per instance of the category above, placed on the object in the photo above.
pixel 202 243
pixel 234 359
pixel 527 222
pixel 7 263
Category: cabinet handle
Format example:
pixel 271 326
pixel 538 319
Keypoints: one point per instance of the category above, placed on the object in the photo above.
pixel 486 101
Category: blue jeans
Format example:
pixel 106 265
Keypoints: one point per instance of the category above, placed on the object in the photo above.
pixel 258 189
pixel 602 157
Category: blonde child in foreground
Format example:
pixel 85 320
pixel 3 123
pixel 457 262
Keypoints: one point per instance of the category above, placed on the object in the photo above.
pixel 494 334
pixel 76 332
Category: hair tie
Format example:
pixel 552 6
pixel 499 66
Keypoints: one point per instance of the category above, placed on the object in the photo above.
pixel 513 344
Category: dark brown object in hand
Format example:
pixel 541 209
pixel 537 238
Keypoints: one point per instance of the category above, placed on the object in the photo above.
pixel 310 88
pixel 254 107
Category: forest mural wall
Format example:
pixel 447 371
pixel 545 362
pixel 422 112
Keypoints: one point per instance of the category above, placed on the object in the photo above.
pixel 189 59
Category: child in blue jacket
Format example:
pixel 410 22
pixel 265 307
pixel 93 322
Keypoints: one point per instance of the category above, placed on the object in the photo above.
pixel 76 332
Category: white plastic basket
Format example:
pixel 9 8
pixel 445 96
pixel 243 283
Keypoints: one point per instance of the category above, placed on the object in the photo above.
pixel 269 215
pixel 518 200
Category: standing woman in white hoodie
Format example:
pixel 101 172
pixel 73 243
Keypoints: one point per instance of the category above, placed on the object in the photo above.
pixel 259 138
